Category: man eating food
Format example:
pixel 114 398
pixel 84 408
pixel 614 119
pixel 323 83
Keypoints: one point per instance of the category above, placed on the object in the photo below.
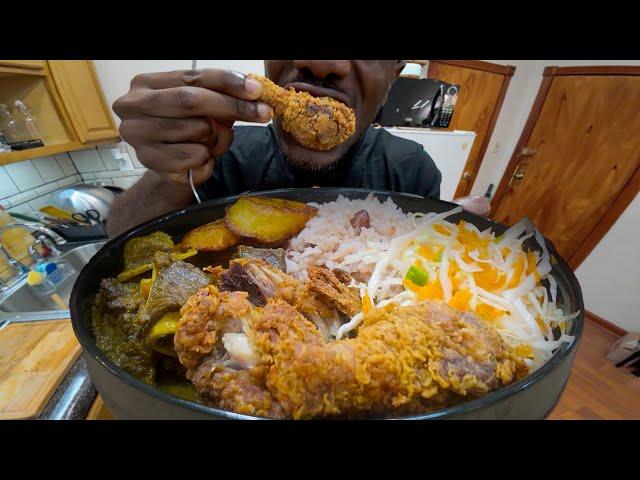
pixel 183 120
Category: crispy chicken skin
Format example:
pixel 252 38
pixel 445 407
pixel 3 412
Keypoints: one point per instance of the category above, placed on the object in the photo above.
pixel 317 123
pixel 333 290
pixel 319 300
pixel 205 319
pixel 403 359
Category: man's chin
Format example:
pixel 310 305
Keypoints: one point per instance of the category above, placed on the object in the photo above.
pixel 302 157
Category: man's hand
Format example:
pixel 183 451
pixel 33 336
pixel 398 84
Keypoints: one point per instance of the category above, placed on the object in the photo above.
pixel 177 121
pixel 181 120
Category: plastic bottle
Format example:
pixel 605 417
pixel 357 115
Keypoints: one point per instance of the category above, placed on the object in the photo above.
pixel 12 131
pixel 5 218
pixel 40 283
pixel 29 120
pixel 4 144
pixel 56 272
pixel 15 240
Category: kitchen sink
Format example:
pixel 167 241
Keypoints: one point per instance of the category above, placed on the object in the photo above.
pixel 21 298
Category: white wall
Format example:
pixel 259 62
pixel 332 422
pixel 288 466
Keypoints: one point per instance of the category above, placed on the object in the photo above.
pixel 610 275
pixel 116 75
pixel 513 115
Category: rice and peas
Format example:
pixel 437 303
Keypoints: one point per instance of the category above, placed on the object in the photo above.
pixel 405 258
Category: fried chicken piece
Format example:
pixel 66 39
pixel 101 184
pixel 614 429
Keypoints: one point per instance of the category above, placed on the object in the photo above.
pixel 402 357
pixel 241 391
pixel 212 342
pixel 331 289
pixel 319 123
pixel 320 300
pixel 343 276
pixel 276 363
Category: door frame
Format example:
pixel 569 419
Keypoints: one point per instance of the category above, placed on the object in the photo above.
pixel 628 192
pixel 464 186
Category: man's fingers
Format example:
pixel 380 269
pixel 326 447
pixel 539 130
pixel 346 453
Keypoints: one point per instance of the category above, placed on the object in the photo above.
pixel 173 157
pixel 202 174
pixel 187 102
pixel 224 137
pixel 229 82
pixel 169 130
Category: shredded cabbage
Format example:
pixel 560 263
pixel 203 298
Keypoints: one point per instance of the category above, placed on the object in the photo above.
pixel 496 277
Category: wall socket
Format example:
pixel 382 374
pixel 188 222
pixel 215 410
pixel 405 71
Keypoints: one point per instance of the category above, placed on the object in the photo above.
pixel 124 160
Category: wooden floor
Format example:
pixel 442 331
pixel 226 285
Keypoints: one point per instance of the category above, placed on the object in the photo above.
pixel 596 388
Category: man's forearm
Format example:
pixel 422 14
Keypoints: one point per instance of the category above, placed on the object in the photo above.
pixel 152 196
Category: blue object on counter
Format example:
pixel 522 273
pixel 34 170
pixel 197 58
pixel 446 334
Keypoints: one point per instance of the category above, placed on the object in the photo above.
pixel 54 274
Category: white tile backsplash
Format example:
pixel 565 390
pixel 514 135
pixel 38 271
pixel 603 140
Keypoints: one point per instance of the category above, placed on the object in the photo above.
pixel 104 174
pixel 25 208
pixel 69 180
pixel 88 161
pixel 28 184
pixel 66 164
pixel 135 173
pixel 108 155
pixel 40 202
pixel 132 153
pixel 48 188
pixel 125 182
pixel 22 197
pixel 48 168
pixel 7 187
pixel 24 175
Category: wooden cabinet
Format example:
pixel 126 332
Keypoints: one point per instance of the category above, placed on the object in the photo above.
pixel 67 100
pixel 27 64
pixel 82 96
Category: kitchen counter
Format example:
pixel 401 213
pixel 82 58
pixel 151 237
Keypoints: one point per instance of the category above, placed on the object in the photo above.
pixel 74 396
pixel 42 375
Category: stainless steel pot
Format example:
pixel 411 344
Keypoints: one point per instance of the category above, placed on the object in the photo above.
pixel 82 197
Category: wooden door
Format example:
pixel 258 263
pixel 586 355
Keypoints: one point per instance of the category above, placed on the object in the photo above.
pixel 483 86
pixel 575 168
pixel 84 100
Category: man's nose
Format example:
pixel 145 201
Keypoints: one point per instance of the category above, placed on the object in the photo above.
pixel 324 68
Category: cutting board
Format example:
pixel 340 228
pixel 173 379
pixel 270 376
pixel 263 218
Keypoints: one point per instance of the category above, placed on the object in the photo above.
pixel 34 357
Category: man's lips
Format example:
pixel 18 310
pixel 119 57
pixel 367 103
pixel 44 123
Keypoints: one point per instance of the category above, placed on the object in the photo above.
pixel 319 91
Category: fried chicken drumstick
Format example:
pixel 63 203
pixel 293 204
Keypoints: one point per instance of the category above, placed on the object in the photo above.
pixel 274 361
pixel 317 123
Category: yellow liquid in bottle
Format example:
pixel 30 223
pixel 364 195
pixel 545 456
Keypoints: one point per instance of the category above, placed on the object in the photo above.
pixel 16 242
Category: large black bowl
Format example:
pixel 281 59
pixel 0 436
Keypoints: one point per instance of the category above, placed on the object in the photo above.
pixel 128 398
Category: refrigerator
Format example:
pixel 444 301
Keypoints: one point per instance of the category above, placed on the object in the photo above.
pixel 448 149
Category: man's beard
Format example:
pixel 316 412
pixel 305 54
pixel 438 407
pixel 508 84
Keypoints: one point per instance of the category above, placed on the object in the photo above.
pixel 308 165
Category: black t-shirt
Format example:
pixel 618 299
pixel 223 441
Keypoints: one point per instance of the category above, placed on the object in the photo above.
pixel 378 161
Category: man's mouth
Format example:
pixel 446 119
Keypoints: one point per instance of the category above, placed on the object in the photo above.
pixel 319 91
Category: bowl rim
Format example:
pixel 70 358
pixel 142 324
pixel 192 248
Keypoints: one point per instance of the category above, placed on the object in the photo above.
pixel 89 345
